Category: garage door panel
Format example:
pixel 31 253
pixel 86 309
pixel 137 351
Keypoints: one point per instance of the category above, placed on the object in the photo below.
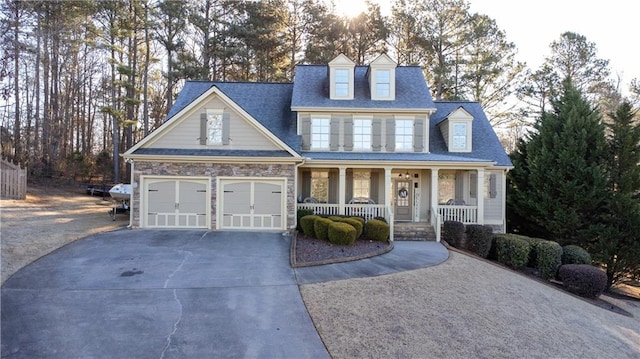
pixel 252 204
pixel 162 196
pixel 176 203
pixel 191 194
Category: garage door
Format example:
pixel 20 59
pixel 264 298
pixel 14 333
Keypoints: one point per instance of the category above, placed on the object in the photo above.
pixel 176 203
pixel 252 204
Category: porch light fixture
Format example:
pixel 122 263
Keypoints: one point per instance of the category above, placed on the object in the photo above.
pixel 407 175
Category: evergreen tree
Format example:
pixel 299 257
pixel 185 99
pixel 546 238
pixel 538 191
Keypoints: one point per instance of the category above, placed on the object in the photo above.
pixel 619 248
pixel 562 186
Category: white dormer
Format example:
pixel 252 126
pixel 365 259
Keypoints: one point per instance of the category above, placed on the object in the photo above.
pixel 456 130
pixel 341 72
pixel 382 78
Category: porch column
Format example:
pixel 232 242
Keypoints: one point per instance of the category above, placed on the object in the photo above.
pixel 387 187
pixel 480 196
pixel 434 190
pixel 342 189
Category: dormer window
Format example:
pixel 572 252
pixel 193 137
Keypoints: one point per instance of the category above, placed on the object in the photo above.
pixel 341 78
pixel 383 83
pixel 456 130
pixel 342 82
pixel 382 78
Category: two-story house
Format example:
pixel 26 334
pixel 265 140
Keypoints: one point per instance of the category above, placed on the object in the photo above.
pixel 341 139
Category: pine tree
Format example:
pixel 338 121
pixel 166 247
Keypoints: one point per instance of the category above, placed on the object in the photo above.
pixel 619 248
pixel 563 187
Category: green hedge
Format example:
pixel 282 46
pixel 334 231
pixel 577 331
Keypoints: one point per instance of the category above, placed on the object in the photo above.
pixel 533 242
pixel 377 230
pixel 453 233
pixel 548 258
pixel 307 224
pixel 512 251
pixel 359 226
pixel 479 239
pixel 321 228
pixel 342 233
pixel 583 279
pixel 301 213
pixel 573 254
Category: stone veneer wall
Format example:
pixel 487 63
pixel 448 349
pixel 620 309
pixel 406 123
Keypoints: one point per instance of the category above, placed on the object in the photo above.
pixel 214 170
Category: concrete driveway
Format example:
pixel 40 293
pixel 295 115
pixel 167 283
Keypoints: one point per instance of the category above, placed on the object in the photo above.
pixel 160 294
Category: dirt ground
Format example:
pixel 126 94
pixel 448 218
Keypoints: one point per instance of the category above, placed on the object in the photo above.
pixel 48 219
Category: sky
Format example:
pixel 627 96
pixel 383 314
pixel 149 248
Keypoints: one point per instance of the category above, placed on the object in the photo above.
pixel 532 25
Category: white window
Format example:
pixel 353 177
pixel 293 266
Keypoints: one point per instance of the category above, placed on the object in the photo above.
pixel 383 83
pixel 320 186
pixel 362 184
pixel 404 135
pixel 342 82
pixel 362 134
pixel 214 127
pixel 320 128
pixel 460 135
pixel 446 187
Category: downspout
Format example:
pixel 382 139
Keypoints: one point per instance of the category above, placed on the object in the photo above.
pixel 295 180
pixel 134 186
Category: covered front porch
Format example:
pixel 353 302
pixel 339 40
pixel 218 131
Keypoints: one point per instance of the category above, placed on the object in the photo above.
pixel 419 195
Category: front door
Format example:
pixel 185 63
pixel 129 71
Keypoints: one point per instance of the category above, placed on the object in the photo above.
pixel 402 200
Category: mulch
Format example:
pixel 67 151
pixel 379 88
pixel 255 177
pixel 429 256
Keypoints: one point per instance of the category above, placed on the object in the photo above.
pixel 307 251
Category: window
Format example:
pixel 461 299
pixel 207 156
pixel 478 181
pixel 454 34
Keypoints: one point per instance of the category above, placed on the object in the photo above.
pixel 214 127
pixel 320 186
pixel 446 187
pixel 342 82
pixel 320 133
pixel 383 83
pixel 460 135
pixel 362 184
pixel 362 134
pixel 404 135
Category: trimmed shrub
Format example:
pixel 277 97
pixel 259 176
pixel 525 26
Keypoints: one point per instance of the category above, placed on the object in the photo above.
pixel 301 213
pixel 573 254
pixel 512 251
pixel 533 242
pixel 321 228
pixel 359 219
pixel 377 230
pixel 453 233
pixel 341 233
pixel 335 218
pixel 380 219
pixel 479 239
pixel 548 258
pixel 583 279
pixel 307 224
pixel 355 223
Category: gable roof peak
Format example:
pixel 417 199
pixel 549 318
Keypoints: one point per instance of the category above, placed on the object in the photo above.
pixel 342 60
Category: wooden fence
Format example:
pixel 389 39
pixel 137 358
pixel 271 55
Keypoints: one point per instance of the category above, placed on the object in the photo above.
pixel 13 181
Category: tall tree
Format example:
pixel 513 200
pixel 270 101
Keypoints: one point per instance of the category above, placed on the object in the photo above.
pixel 405 33
pixel 619 248
pixel 327 34
pixel 559 182
pixel 368 33
pixel 171 17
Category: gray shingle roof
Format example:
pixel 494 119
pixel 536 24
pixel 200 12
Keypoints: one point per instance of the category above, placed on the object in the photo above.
pixel 484 143
pixel 270 104
pixel 311 89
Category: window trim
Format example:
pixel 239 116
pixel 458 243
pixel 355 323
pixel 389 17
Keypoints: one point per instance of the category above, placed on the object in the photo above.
pixel 378 82
pixel 366 179
pixel 358 144
pixel 211 113
pixel 407 147
pixel 314 120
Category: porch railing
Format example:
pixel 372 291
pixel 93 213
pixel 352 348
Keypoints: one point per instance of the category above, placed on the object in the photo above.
pixel 436 222
pixel 464 214
pixel 368 211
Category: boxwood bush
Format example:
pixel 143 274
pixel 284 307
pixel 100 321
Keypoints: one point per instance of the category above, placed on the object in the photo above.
pixel 512 251
pixel 341 233
pixel 453 233
pixel 573 254
pixel 479 239
pixel 583 279
pixel 321 228
pixel 307 224
pixel 301 213
pixel 355 223
pixel 377 230
pixel 533 242
pixel 548 258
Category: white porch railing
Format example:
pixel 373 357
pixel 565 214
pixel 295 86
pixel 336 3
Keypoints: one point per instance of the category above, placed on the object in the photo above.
pixel 436 221
pixel 464 214
pixel 367 211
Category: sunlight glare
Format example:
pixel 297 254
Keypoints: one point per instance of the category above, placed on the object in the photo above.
pixel 350 8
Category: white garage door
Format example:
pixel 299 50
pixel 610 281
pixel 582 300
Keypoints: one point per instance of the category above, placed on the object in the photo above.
pixel 252 204
pixel 176 203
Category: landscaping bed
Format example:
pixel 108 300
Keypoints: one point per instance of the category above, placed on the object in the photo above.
pixel 308 251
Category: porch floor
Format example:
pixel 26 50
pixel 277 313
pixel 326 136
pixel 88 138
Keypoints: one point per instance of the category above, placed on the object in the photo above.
pixel 413 231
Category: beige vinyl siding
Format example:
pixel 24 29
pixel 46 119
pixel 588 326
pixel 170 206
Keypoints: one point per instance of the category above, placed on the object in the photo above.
pixel 444 129
pixel 243 135
pixel 493 206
